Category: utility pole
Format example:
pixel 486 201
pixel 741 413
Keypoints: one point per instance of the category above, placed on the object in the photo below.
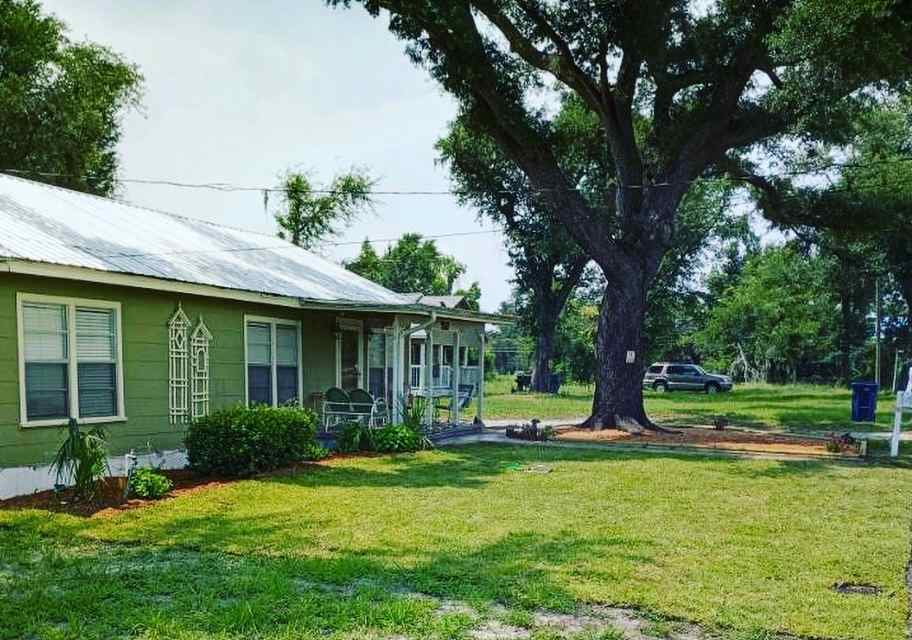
pixel 877 330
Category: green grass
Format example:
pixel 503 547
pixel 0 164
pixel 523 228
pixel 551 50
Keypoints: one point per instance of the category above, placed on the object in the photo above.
pixel 786 407
pixel 748 546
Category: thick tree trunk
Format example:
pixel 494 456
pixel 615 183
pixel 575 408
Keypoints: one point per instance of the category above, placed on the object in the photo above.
pixel 544 354
pixel 618 400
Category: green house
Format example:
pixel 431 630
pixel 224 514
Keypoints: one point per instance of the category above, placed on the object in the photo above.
pixel 142 320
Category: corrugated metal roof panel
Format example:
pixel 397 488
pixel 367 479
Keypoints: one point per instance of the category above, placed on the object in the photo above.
pixel 48 224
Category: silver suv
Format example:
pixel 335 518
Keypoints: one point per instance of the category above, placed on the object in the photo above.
pixel 665 376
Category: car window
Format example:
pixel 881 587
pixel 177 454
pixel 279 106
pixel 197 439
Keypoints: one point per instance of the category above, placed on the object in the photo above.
pixel 677 370
pixel 656 368
pixel 693 371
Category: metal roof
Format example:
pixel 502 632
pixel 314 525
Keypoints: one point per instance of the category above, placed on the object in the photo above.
pixel 48 224
pixel 448 302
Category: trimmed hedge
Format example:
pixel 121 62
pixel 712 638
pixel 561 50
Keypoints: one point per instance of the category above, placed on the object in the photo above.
pixel 241 440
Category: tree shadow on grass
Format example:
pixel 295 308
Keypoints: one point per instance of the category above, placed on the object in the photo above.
pixel 108 589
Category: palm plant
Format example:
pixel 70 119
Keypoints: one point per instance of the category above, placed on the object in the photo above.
pixel 83 459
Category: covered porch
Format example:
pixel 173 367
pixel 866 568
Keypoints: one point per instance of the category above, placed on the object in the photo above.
pixel 431 362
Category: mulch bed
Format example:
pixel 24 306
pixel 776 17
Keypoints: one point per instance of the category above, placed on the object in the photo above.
pixel 694 437
pixel 110 499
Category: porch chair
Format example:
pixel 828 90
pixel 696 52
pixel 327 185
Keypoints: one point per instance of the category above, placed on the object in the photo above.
pixel 365 405
pixel 337 407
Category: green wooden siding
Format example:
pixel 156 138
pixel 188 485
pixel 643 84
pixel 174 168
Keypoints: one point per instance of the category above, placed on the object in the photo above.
pixel 145 357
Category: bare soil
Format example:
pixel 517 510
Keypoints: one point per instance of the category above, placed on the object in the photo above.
pixel 694 437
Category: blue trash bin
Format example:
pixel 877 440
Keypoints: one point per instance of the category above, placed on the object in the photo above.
pixel 864 401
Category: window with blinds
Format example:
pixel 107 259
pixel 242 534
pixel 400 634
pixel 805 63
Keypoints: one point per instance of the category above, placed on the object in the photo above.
pixel 70 362
pixel 96 362
pixel 46 348
pixel 273 362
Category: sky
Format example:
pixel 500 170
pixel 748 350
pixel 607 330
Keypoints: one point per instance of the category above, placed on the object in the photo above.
pixel 239 92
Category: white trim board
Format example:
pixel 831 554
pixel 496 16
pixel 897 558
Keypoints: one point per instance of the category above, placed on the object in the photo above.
pixel 20 481
pixel 115 278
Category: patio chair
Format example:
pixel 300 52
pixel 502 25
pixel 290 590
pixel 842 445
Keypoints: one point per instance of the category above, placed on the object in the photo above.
pixel 365 406
pixel 337 407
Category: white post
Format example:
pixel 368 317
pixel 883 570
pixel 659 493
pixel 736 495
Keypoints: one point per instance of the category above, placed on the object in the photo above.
pixel 897 425
pixel 429 374
pixel 398 386
pixel 454 414
pixel 479 417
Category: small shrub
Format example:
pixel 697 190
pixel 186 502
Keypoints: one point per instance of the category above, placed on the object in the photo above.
pixel 354 437
pixel 399 437
pixel 82 459
pixel 243 440
pixel 317 452
pixel 150 484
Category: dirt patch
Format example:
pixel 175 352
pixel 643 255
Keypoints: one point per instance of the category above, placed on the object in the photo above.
pixel 728 439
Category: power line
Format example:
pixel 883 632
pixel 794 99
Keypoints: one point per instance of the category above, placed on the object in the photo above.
pixel 287 246
pixel 229 187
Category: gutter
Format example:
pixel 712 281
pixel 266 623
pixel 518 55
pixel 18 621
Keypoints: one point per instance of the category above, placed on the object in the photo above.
pixel 155 283
pixel 421 327
pixel 417 309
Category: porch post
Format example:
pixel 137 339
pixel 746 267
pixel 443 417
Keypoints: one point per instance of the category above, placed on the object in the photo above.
pixel 397 392
pixel 454 395
pixel 479 417
pixel 429 374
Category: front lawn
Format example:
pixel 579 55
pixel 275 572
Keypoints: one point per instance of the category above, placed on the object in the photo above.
pixel 788 407
pixel 745 546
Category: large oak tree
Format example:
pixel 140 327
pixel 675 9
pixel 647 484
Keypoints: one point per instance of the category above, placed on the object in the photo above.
pixel 712 79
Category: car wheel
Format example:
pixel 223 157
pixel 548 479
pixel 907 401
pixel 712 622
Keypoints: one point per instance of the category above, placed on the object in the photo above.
pixel 712 388
pixel 660 387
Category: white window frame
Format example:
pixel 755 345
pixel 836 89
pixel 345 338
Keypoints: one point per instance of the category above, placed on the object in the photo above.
pixel 422 365
pixel 273 323
pixel 71 304
pixel 357 326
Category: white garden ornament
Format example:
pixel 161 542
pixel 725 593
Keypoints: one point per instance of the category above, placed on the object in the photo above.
pixel 199 370
pixel 188 368
pixel 178 363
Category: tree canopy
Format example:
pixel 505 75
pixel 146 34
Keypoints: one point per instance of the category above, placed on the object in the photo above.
pixel 413 265
pixel 61 102
pixel 308 214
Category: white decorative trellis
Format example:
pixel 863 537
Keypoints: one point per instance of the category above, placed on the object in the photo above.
pixel 199 370
pixel 178 361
